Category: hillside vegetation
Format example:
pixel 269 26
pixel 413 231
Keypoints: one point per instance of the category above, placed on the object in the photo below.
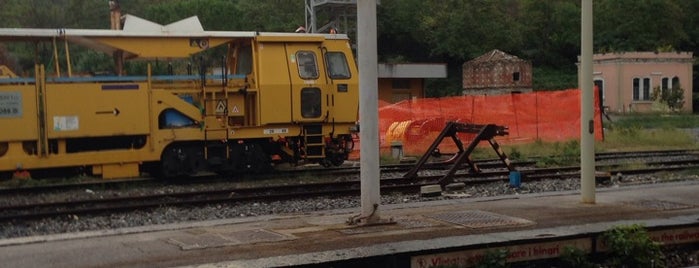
pixel 451 31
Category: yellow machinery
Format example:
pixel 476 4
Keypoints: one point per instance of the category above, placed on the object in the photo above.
pixel 271 97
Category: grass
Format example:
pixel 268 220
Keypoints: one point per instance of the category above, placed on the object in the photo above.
pixel 627 133
pixel 634 139
pixel 655 121
pixel 650 132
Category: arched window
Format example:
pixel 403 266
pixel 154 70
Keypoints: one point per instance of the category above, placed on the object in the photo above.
pixel 665 83
pixel 675 82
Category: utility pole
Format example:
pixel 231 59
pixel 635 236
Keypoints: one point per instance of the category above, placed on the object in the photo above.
pixel 587 122
pixel 368 111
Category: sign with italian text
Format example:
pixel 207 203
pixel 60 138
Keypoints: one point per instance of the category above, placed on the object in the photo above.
pixel 516 253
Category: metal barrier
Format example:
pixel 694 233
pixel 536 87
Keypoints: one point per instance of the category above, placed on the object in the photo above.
pixel 484 133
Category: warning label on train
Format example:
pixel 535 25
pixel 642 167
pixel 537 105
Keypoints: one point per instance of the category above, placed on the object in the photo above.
pixel 66 123
pixel 221 107
pixel 10 104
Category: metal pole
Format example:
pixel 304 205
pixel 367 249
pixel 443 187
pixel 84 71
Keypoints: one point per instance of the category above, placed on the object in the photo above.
pixel 587 126
pixel 368 110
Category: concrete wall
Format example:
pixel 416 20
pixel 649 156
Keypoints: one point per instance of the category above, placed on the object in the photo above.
pixel 389 94
pixel 402 81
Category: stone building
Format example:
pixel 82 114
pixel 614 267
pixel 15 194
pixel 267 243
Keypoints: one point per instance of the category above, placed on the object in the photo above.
pixel 496 72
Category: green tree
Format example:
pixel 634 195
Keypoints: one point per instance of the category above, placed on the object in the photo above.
pixel 639 25
pixel 672 97
pixel 467 29
pixel 398 39
pixel 214 15
pixel 271 15
pixel 54 14
pixel 451 31
pixel 553 42
pixel 552 29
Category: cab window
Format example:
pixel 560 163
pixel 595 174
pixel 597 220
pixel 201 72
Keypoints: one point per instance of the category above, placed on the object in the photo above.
pixel 337 65
pixel 308 69
pixel 311 102
pixel 244 64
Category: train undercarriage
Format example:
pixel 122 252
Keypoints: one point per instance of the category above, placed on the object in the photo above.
pixel 185 159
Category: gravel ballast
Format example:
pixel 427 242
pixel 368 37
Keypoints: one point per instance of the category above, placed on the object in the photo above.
pixel 169 215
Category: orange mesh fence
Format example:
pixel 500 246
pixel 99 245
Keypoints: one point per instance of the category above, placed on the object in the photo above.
pixel 547 115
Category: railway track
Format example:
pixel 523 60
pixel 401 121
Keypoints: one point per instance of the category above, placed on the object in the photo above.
pixel 210 178
pixel 303 171
pixel 90 206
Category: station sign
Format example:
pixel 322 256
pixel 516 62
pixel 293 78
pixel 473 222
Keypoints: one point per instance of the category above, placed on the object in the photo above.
pixel 515 253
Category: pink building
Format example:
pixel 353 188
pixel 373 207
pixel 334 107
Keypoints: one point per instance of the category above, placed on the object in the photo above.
pixel 627 79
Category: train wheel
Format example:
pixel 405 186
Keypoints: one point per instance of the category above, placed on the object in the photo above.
pixel 172 163
pixel 338 159
pixel 180 161
pixel 196 162
pixel 249 157
pixel 257 160
pixel 326 162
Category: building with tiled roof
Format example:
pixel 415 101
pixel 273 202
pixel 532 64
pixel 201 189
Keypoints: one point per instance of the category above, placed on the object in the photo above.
pixel 496 72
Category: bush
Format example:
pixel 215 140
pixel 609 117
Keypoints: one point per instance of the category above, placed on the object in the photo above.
pixel 672 97
pixel 494 259
pixel 574 257
pixel 631 246
pixel 515 154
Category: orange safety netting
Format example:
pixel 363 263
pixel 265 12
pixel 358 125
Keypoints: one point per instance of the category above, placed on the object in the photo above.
pixel 545 115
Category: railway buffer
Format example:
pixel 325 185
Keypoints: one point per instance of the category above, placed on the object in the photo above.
pixel 483 133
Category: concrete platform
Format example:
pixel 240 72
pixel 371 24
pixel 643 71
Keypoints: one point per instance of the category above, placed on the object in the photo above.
pixel 426 233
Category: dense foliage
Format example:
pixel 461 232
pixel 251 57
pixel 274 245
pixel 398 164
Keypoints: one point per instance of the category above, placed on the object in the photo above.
pixel 451 31
pixel 632 246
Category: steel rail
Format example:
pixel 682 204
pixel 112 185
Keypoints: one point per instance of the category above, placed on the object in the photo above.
pixel 484 163
pixel 20 212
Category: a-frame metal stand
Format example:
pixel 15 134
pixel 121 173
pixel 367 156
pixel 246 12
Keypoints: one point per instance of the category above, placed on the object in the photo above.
pixel 485 132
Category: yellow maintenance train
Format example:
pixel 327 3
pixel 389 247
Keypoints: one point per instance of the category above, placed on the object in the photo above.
pixel 272 97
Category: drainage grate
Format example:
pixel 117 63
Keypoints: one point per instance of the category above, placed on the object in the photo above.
pixel 191 240
pixel 660 205
pixel 480 219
